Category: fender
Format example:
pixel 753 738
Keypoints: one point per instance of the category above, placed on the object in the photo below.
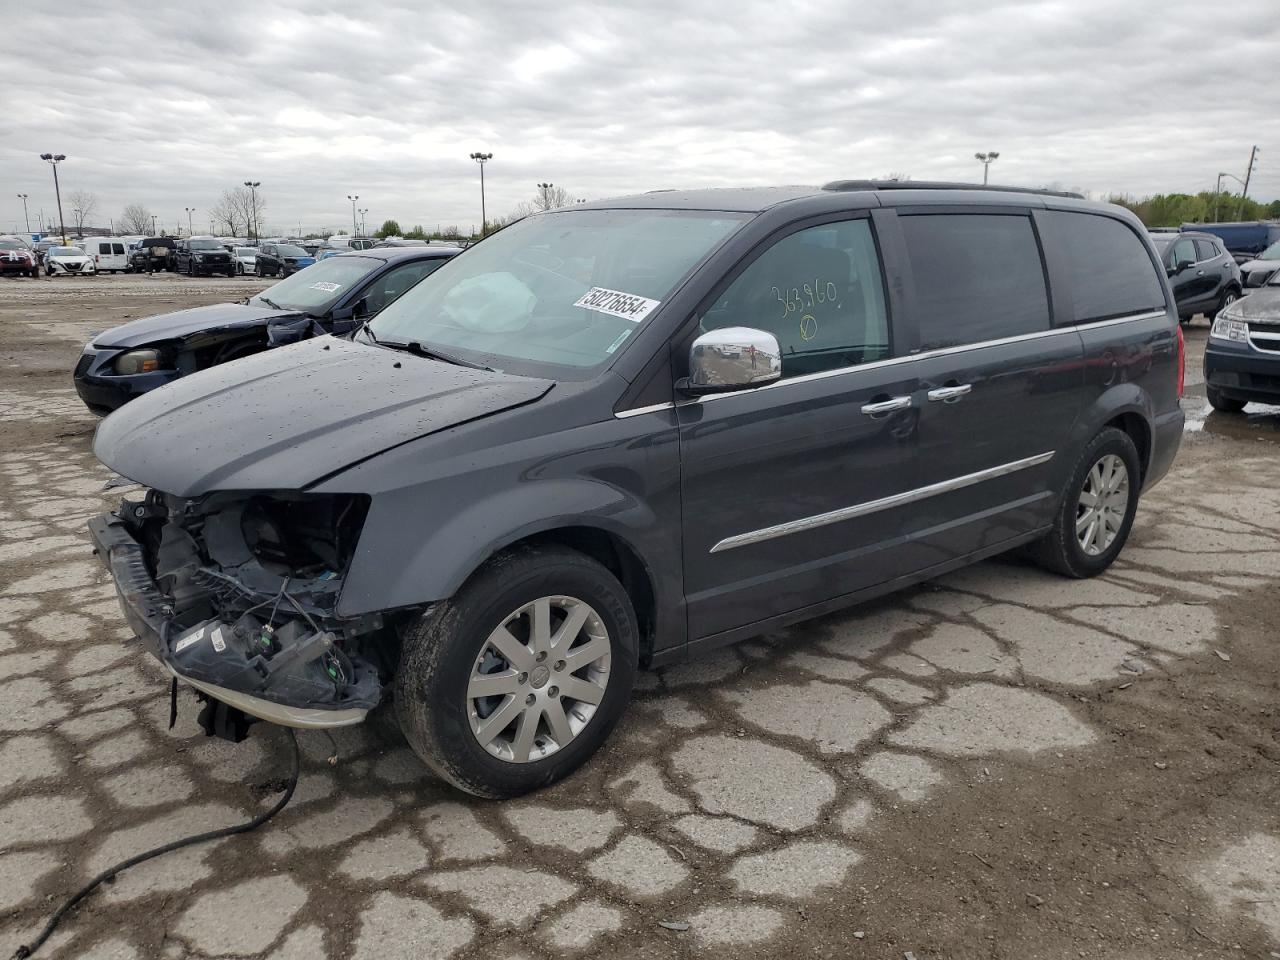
pixel 462 538
pixel 1114 401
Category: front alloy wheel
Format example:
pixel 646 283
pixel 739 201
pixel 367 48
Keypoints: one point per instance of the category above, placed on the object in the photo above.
pixel 538 680
pixel 517 679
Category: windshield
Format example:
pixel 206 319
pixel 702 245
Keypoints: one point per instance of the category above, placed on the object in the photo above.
pixel 289 250
pixel 12 245
pixel 1162 242
pixel 317 288
pixel 556 293
pixel 204 245
pixel 1271 253
pixel 246 252
pixel 67 252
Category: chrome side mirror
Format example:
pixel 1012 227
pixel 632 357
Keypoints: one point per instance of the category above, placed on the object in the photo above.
pixel 732 358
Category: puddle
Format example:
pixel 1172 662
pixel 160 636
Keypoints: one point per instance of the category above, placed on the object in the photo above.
pixel 1259 421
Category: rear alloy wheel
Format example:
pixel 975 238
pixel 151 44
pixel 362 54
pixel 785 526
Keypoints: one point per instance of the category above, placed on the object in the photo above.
pixel 517 680
pixel 1223 404
pixel 1097 508
pixel 1228 298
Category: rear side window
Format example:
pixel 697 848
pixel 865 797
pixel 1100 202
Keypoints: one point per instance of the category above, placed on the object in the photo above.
pixel 977 277
pixel 1205 250
pixel 117 248
pixel 1109 272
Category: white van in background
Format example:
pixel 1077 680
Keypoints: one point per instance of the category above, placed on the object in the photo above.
pixel 110 254
pixel 342 241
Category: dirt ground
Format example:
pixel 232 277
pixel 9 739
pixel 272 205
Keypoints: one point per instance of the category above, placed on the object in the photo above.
pixel 1001 764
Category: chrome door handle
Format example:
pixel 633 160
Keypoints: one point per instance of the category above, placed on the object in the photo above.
pixel 886 406
pixel 950 394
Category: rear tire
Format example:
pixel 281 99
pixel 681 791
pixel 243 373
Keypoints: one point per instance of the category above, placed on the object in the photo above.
pixel 451 646
pixel 1229 297
pixel 1098 505
pixel 1223 404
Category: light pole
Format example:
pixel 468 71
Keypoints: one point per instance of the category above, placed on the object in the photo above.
pixel 482 159
pixel 190 211
pixel 546 199
pixel 1217 190
pixel 364 227
pixel 153 224
pixel 985 159
pixel 25 215
pixel 76 211
pixel 54 159
pixel 355 227
pixel 252 227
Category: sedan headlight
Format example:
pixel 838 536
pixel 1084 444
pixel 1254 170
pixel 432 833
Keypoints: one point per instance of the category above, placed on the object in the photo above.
pixel 137 361
pixel 1225 328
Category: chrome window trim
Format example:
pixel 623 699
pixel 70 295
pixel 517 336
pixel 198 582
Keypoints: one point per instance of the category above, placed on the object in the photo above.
pixel 875 506
pixel 893 361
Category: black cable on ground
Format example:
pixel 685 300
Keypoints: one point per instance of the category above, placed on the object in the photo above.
pixel 27 949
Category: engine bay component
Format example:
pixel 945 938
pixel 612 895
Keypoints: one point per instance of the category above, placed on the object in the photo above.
pixel 236 595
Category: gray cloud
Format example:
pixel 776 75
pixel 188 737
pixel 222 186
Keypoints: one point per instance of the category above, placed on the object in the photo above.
pixel 169 106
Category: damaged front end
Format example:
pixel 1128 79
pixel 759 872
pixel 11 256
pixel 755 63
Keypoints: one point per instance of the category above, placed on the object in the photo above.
pixel 236 593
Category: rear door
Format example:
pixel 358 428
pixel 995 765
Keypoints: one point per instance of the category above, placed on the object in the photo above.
pixel 787 489
pixel 999 386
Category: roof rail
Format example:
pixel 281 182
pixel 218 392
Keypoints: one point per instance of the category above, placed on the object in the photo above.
pixel 847 185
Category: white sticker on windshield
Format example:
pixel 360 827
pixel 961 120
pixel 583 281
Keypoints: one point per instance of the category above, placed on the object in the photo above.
pixel 617 304
pixel 326 286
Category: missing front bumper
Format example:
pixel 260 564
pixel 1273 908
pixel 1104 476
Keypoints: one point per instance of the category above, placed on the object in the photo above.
pixel 294 677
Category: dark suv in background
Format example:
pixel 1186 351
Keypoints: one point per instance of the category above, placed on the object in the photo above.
pixel 281 259
pixel 1204 276
pixel 616 434
pixel 203 255
pixel 152 254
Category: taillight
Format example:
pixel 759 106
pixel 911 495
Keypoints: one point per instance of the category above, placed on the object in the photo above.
pixel 1182 361
pixel 96 258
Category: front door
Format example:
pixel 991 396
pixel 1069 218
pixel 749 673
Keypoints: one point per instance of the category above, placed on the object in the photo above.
pixel 786 488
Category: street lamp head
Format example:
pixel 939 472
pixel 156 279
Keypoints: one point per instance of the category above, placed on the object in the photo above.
pixel 46 156
pixel 481 157
pixel 992 155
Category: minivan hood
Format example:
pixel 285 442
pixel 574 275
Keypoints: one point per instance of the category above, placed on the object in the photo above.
pixel 288 417
pixel 182 323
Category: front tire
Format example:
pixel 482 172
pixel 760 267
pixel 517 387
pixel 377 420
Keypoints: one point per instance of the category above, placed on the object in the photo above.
pixel 1229 296
pixel 1096 510
pixel 1223 404
pixel 515 681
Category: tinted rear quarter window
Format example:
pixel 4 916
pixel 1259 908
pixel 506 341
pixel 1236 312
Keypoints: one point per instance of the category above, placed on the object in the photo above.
pixel 1205 250
pixel 1109 271
pixel 977 277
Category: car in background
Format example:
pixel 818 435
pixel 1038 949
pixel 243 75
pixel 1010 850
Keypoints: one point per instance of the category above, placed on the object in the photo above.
pixel 1245 239
pixel 68 261
pixel 281 259
pixel 1242 355
pixel 17 257
pixel 335 296
pixel 1258 271
pixel 246 260
pixel 110 254
pixel 400 242
pixel 203 255
pixel 343 241
pixel 152 254
pixel 1204 277
pixel 324 253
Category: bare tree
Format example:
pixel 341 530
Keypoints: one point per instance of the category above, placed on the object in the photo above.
pixel 135 219
pixel 551 198
pixel 235 209
pixel 83 204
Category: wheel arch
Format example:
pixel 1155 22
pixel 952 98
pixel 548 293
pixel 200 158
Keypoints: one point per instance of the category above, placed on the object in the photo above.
pixel 1128 408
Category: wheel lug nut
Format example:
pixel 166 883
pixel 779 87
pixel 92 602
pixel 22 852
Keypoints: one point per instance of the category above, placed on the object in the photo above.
pixel 529 700
pixel 559 665
pixel 523 678
pixel 553 691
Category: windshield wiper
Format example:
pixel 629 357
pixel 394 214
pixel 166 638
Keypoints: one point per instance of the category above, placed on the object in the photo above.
pixel 270 303
pixel 415 347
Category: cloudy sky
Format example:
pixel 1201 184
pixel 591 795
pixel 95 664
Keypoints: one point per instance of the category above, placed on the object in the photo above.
pixel 168 104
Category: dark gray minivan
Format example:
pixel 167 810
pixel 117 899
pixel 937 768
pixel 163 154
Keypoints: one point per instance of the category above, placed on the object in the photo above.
pixel 617 434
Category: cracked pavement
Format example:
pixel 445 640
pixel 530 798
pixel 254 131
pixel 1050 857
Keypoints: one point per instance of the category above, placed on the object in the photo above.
pixel 1001 763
